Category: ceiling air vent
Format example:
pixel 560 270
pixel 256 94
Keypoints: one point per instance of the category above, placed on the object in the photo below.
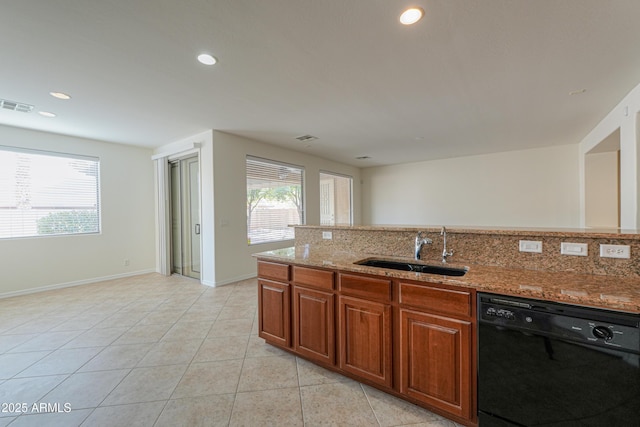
pixel 16 106
pixel 306 138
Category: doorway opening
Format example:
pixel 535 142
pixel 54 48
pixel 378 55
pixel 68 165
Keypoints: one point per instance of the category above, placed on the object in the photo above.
pixel 602 183
pixel 185 216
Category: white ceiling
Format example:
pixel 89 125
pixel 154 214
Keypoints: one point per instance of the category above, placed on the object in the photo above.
pixel 471 77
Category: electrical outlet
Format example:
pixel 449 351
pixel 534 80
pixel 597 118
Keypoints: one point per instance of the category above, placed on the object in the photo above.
pixel 328 235
pixel 577 249
pixel 615 251
pixel 531 246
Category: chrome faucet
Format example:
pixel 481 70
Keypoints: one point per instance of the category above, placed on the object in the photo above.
pixel 421 239
pixel 445 254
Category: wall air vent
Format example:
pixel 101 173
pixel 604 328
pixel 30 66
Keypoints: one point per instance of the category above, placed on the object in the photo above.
pixel 306 138
pixel 15 106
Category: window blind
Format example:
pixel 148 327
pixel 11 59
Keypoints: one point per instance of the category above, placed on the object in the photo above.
pixel 44 193
pixel 274 200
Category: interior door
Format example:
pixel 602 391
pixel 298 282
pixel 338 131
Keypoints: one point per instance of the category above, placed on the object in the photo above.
pixel 185 209
pixel 327 203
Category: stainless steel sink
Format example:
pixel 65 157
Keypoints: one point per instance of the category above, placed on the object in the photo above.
pixel 418 268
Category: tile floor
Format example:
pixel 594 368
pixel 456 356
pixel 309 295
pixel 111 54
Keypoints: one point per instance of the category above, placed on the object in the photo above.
pixel 158 351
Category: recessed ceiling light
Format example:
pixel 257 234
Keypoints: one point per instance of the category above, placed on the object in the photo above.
pixel 46 114
pixel 207 59
pixel 60 95
pixel 411 15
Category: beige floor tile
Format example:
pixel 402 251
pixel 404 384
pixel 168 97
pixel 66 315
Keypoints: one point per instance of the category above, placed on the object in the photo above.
pixel 117 357
pixel 60 419
pixel 12 364
pixel 259 348
pixel 123 319
pixel 230 328
pixel 171 353
pixel 133 415
pixel 267 408
pixel 312 374
pixel 223 348
pixel 231 312
pixel 86 390
pixel 146 385
pixel 263 373
pixel 188 330
pixel 143 334
pixel 160 317
pixel 96 338
pixel 46 341
pixel 28 390
pixel 391 411
pixel 39 325
pixel 206 378
pixel 342 403
pixel 7 342
pixel 206 411
pixel 81 322
pixel 61 362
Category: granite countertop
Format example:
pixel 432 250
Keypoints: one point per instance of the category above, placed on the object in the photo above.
pixel 609 292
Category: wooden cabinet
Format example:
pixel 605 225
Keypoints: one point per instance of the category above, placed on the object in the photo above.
pixel 414 339
pixel 365 339
pixel 436 347
pixel 435 361
pixel 365 334
pixel 274 312
pixel 314 314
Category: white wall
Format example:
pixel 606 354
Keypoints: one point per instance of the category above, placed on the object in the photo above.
pixel 625 117
pixel 126 181
pixel 226 256
pixel 529 188
pixel 233 258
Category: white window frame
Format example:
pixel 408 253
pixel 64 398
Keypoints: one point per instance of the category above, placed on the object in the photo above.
pixel 341 175
pixel 301 211
pixel 55 206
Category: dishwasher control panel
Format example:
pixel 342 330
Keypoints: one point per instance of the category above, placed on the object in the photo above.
pixel 587 325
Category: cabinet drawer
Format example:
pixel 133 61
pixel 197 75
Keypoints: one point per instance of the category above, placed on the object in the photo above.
pixel 439 300
pixel 311 277
pixel 272 270
pixel 368 287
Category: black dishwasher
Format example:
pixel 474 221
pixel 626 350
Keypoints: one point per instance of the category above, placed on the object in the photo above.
pixel 551 364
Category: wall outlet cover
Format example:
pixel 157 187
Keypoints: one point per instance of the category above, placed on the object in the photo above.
pixel 577 249
pixel 328 235
pixel 534 246
pixel 615 251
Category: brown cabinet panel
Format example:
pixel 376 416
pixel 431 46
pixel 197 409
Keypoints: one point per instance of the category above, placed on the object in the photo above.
pixel 440 300
pixel 274 312
pixel 365 339
pixel 314 324
pixel 273 270
pixel 315 278
pixel 367 287
pixel 435 361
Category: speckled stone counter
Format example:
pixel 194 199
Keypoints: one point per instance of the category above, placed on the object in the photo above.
pixel 601 291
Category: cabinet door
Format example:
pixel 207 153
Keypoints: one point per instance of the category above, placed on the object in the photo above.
pixel 314 327
pixel 365 339
pixel 274 312
pixel 435 361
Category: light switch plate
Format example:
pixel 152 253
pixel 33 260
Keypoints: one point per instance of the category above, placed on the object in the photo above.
pixel 531 246
pixel 615 251
pixel 577 249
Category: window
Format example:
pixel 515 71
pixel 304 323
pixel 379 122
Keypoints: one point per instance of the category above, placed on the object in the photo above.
pixel 43 193
pixel 335 199
pixel 274 200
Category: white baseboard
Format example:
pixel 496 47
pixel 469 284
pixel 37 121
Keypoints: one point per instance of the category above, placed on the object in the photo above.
pixel 74 283
pixel 235 279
